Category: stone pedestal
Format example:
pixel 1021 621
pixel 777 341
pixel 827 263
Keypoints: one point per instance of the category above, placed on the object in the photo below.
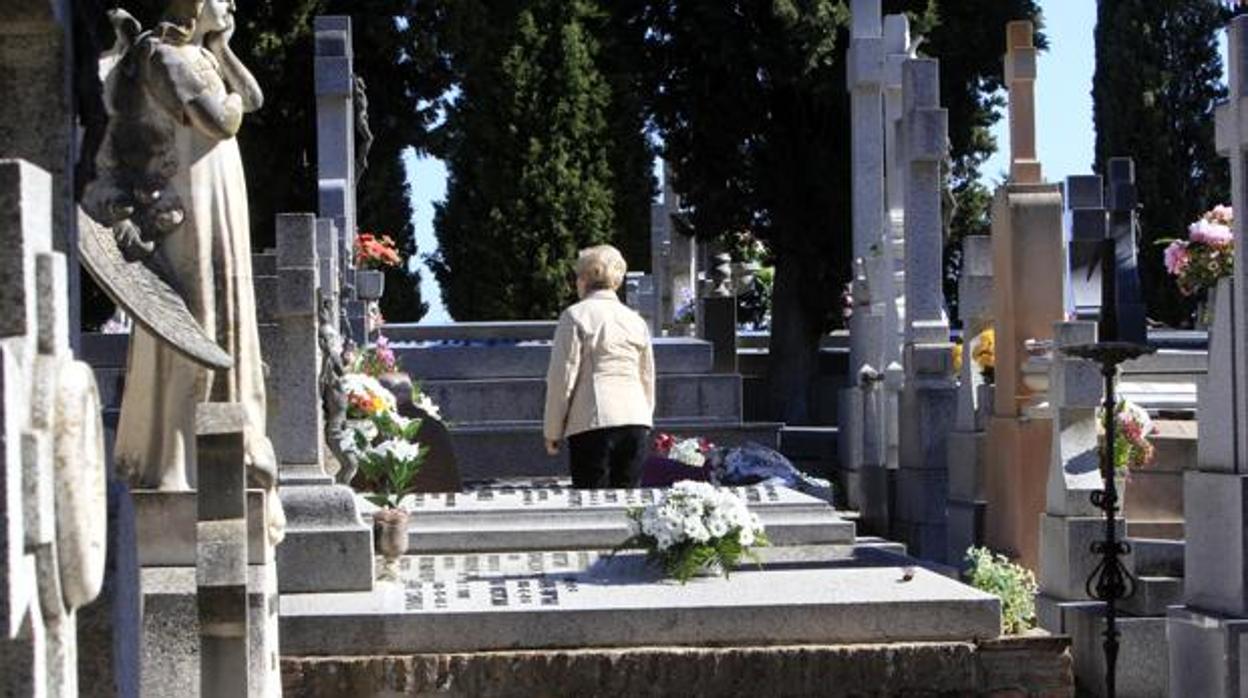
pixel 1207 656
pixel 327 546
pixel 171 625
pixel 719 327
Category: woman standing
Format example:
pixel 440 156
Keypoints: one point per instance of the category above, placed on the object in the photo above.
pixel 600 384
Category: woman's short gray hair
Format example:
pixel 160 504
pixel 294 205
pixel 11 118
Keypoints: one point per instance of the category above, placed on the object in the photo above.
pixel 601 267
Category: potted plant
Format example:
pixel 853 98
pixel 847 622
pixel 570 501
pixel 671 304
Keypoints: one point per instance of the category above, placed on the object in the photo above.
pixel 382 445
pixel 373 253
pixel 696 529
pixel 1013 584
pixel 1205 257
pixel 1132 447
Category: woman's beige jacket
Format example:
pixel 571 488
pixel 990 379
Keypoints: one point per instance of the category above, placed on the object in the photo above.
pixel 601 369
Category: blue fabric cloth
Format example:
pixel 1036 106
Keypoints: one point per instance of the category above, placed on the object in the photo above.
pixel 753 463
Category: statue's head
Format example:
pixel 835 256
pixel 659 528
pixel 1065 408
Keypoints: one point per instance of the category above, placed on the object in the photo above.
pixel 216 15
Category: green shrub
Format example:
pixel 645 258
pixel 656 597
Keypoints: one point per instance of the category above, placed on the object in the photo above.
pixel 1014 584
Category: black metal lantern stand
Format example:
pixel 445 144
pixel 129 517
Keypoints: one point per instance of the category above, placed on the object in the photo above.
pixel 1110 581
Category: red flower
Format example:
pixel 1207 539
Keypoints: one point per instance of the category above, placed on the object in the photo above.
pixel 372 252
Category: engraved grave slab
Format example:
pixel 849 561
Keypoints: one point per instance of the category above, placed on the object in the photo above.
pixel 474 602
pixel 527 518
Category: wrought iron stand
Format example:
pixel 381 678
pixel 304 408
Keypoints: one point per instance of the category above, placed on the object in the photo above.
pixel 1110 581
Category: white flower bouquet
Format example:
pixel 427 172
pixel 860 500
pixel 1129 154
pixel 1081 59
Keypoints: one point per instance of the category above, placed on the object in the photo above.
pixel 380 441
pixel 696 527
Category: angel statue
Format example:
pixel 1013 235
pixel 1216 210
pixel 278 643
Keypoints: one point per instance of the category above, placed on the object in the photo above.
pixel 171 191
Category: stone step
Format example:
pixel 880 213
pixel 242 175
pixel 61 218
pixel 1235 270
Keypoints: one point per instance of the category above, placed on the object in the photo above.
pixel 809 443
pixel 706 396
pixel 1156 557
pixel 1153 595
pixel 1162 529
pixel 504 449
pixel 428 361
pixel 515 331
pixel 462 603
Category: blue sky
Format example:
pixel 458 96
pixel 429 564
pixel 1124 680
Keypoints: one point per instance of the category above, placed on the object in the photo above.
pixel 1064 134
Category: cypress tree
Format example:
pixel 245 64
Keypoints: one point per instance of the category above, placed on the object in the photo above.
pixel 1157 81
pixel 526 144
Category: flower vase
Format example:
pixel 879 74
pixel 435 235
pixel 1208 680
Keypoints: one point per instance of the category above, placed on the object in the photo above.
pixel 1203 319
pixel 370 284
pixel 709 571
pixel 390 536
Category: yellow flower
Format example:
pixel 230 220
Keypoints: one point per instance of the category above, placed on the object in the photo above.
pixel 957 357
pixel 985 353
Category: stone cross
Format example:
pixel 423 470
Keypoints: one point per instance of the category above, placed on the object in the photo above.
pixel 53 498
pixel 1206 634
pixel 1232 141
pixel 865 73
pixel 299 424
pixel 925 129
pixel 928 399
pixel 1020 80
pixel 1123 201
pixel 37 119
pixel 673 254
pixel 327 547
pixel 897 50
pixel 1085 223
pixel 221 565
pixel 335 146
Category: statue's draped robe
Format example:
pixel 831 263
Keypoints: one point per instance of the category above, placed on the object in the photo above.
pixel 210 260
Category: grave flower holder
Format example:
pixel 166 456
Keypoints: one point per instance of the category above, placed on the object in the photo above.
pixel 370 284
pixel 390 534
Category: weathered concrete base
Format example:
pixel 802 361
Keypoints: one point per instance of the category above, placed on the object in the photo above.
pixel 1027 666
pixel 328 547
pixel 1208 654
pixel 1143 667
pixel 170 658
pixel 1066 559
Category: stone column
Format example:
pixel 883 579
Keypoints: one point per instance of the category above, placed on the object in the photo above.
pixel 1029 266
pixel 968 440
pixel 865 71
pixel 886 290
pixel 53 496
pixel 335 148
pixel 1209 633
pixel 327 547
pixel 37 119
pixel 928 400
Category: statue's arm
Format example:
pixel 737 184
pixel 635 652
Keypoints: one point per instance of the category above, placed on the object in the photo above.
pixel 241 81
pixel 217 117
pixel 237 77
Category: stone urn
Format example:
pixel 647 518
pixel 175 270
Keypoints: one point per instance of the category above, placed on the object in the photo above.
pixel 370 284
pixel 390 535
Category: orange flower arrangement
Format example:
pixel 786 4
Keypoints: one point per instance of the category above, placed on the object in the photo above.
pixel 374 251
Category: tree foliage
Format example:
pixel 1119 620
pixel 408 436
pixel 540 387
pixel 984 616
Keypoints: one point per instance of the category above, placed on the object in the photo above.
pixel 751 103
pixel 279 142
pixel 526 142
pixel 1157 80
